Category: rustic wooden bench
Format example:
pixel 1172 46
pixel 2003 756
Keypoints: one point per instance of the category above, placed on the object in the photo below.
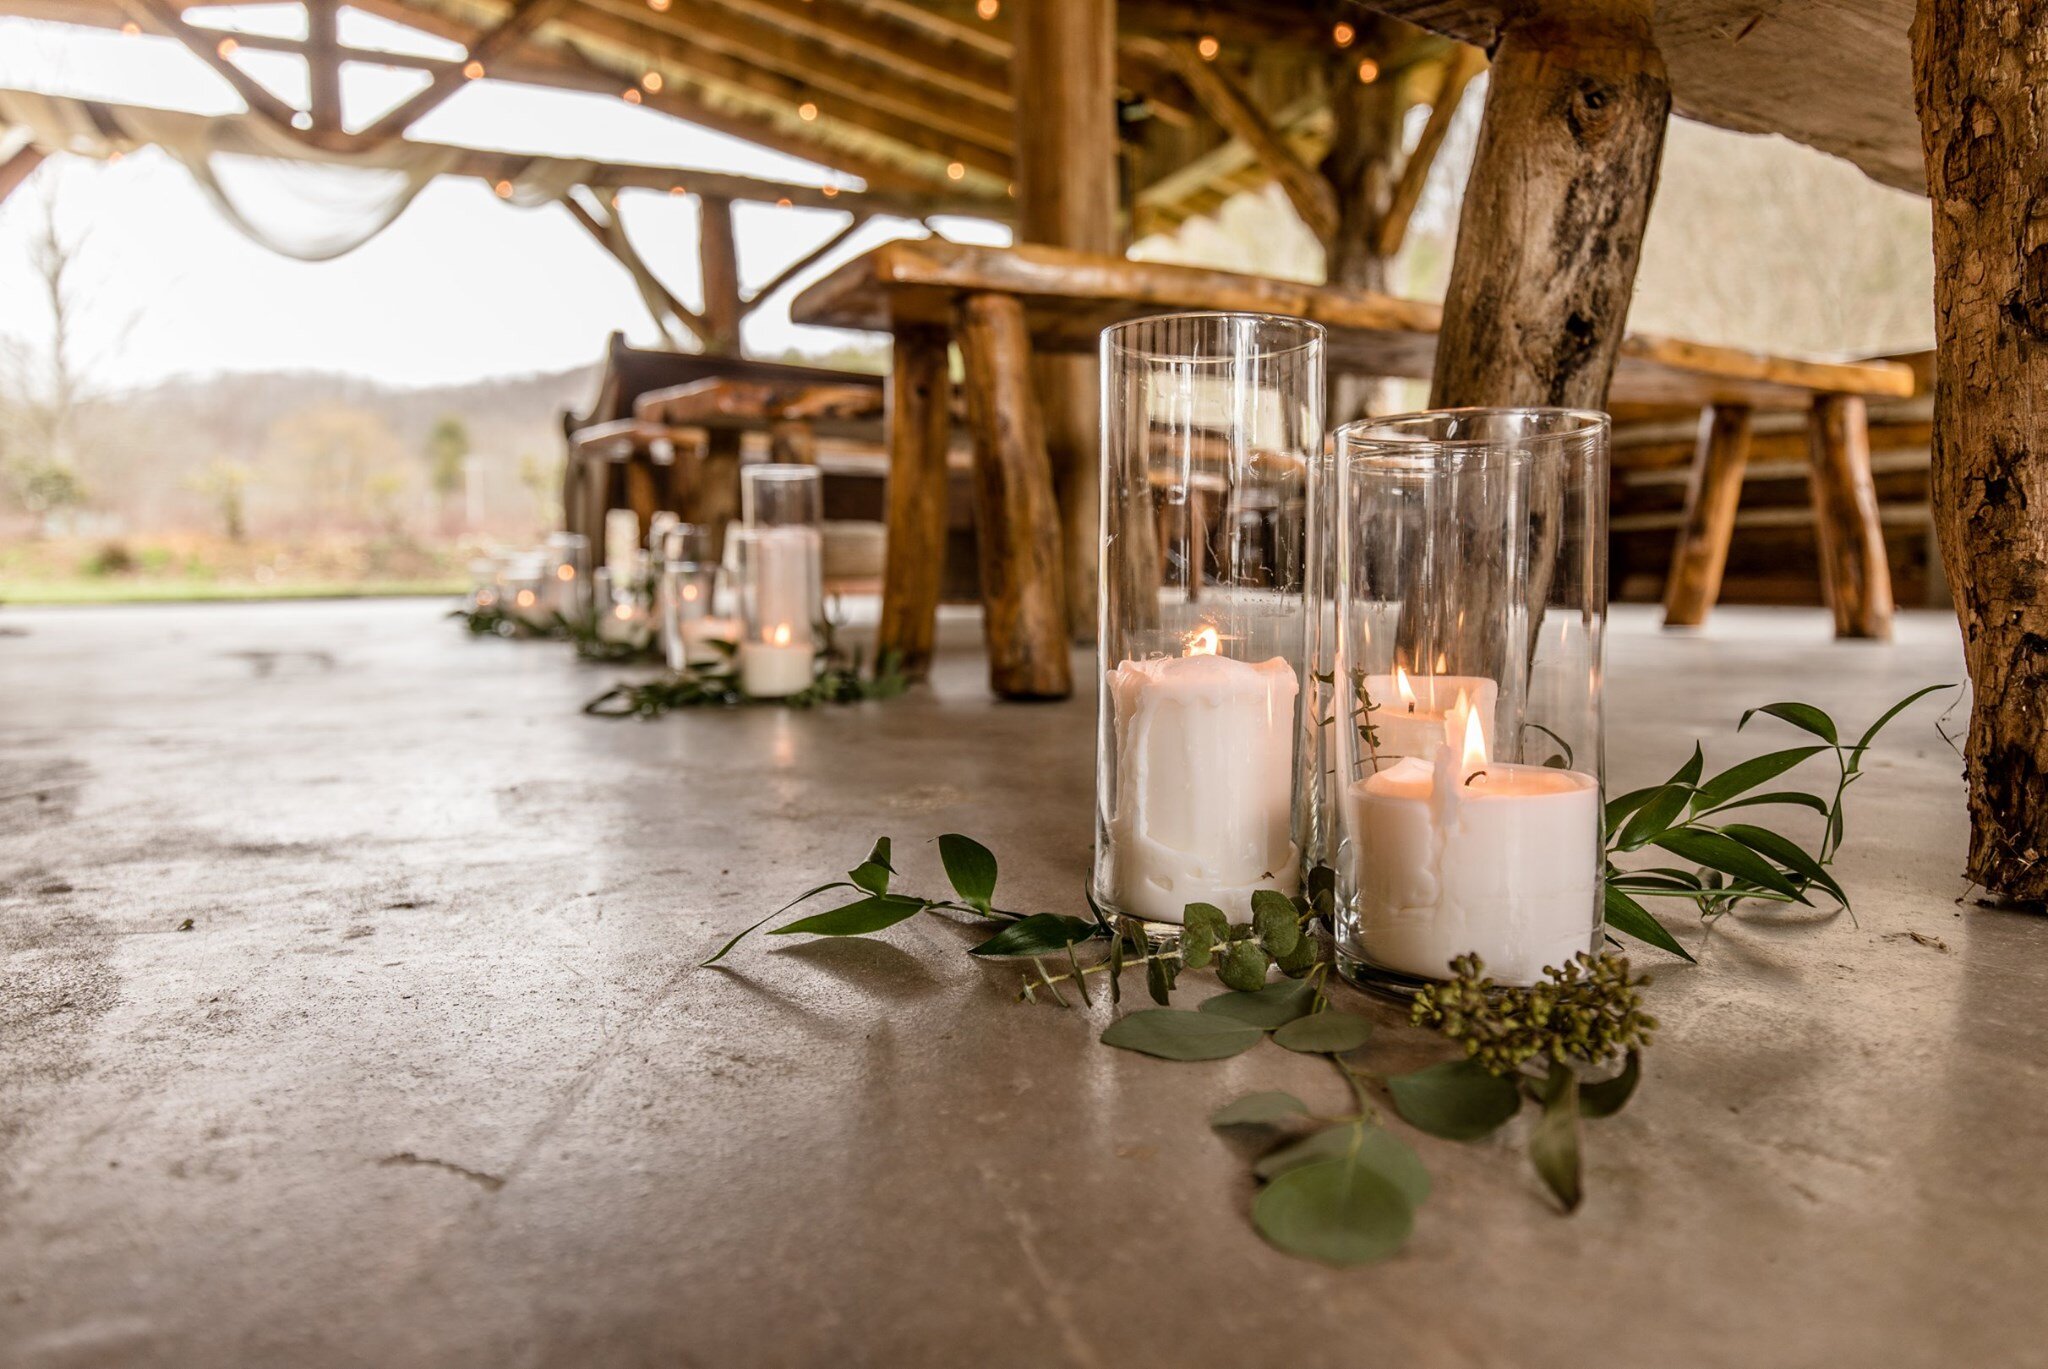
pixel 1005 305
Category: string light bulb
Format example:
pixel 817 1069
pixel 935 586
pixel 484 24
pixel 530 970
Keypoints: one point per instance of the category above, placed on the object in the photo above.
pixel 131 28
pixel 1344 34
pixel 988 9
pixel 807 111
pixel 473 71
pixel 829 191
pixel 1368 71
pixel 1208 47
pixel 652 81
pixel 955 171
pixel 226 47
pixel 631 95
pixel 503 189
pixel 658 6
pixel 783 203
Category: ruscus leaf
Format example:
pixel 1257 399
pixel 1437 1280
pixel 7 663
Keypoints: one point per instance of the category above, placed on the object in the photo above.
pixel 1554 1145
pixel 1609 1096
pixel 971 867
pixel 1631 918
pixel 870 914
pixel 1730 857
pixel 1740 779
pixel 1039 934
pixel 1805 717
pixel 873 873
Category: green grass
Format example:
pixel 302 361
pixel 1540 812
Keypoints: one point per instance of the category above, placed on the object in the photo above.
pixel 117 591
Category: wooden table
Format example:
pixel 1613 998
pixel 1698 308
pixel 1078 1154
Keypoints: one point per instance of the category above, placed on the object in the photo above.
pixel 1005 305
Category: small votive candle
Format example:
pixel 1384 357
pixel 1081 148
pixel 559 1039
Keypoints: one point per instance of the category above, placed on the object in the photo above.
pixel 778 665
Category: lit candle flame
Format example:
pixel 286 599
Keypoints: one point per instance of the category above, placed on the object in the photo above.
pixel 565 572
pixel 780 637
pixel 1204 642
pixel 690 593
pixel 1404 689
pixel 526 598
pixel 1442 664
pixel 1475 742
pixel 622 611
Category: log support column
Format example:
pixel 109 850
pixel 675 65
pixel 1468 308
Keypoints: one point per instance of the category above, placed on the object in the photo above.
pixel 1017 521
pixel 1985 132
pixel 1064 77
pixel 920 425
pixel 1853 568
pixel 1700 555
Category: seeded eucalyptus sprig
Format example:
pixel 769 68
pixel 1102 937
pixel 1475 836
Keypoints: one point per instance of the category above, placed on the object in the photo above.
pixel 1728 860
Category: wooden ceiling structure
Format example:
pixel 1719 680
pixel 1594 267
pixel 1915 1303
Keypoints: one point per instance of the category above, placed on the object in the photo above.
pixel 918 99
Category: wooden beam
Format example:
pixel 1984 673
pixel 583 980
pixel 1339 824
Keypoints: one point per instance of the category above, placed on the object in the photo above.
pixel 323 65
pixel 19 168
pixel 1853 566
pixel 525 18
pixel 1985 129
pixel 1231 106
pixel 718 259
pixel 912 52
pixel 801 264
pixel 1699 557
pixel 1463 65
pixel 1067 197
pixel 205 46
pixel 610 234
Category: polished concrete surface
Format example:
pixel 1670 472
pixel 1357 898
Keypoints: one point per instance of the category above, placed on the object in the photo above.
pixel 432 1078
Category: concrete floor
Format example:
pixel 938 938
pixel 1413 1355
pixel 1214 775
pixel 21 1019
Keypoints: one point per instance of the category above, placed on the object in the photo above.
pixel 432 1079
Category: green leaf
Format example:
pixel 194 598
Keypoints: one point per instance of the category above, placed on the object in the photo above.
pixel 1206 919
pixel 971 867
pixel 1870 733
pixel 1116 962
pixel 1554 1145
pixel 1276 921
pixel 1324 1033
pixel 1785 796
pixel 1196 949
pixel 873 873
pixel 1460 1100
pixel 1609 1096
pixel 870 914
pixel 1372 1146
pixel 1740 779
pixel 1663 807
pixel 1259 1109
pixel 1618 810
pixel 1337 1211
pixel 1244 966
pixel 1161 974
pixel 808 893
pixel 1039 934
pixel 1805 717
pixel 1631 918
pixel 1301 959
pixel 1787 853
pixel 1178 1034
pixel 1275 1005
pixel 1730 857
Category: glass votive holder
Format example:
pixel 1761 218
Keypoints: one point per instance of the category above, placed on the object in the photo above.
pixel 483 583
pixel 1209 422
pixel 528 587
pixel 1470 602
pixel 621 613
pixel 568 574
pixel 780 590
pixel 691 629
pixel 777 494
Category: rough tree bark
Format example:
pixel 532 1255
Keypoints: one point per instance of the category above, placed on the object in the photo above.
pixel 1985 133
pixel 1548 244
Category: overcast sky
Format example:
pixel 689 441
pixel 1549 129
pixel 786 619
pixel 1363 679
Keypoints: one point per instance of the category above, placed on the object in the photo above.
pixel 461 286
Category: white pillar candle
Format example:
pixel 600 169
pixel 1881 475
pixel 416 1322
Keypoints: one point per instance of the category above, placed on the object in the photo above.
pixel 1484 857
pixel 1414 715
pixel 777 667
pixel 622 623
pixel 785 567
pixel 1204 764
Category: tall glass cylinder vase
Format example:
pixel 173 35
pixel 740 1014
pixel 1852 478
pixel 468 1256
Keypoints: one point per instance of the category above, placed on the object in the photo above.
pixel 1209 425
pixel 780 562
pixel 1470 604
pixel 690 626
pixel 568 575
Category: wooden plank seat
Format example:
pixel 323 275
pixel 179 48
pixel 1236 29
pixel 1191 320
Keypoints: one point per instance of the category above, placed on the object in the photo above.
pixel 1005 305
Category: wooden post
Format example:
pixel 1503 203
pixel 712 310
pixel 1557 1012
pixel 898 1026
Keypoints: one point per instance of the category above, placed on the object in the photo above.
pixel 1985 132
pixel 18 168
pixel 1700 554
pixel 323 65
pixel 1548 244
pixel 1064 78
pixel 718 260
pixel 793 440
pixel 1017 521
pixel 1854 570
pixel 918 398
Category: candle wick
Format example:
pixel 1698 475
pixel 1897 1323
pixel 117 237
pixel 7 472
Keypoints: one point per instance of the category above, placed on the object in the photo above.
pixel 1473 776
pixel 1411 708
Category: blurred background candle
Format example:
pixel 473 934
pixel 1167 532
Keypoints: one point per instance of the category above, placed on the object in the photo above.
pixel 1414 715
pixel 1205 774
pixel 621 617
pixel 568 575
pixel 775 665
pixel 1461 854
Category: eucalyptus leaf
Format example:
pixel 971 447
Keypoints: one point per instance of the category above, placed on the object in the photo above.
pixel 1161 974
pixel 1805 717
pixel 870 914
pixel 1302 958
pixel 1273 1006
pixel 1372 1146
pixel 1460 1100
pixel 1610 1096
pixel 1180 1034
pixel 1259 1109
pixel 1244 966
pixel 1324 1033
pixel 1554 1145
pixel 971 867
pixel 1336 1211
pixel 1207 920
pixel 873 873
pixel 1276 921
pixel 1631 918
pixel 1039 934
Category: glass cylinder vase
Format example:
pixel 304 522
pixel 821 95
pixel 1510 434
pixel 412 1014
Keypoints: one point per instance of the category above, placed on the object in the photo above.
pixel 780 565
pixel 1209 424
pixel 1470 604
pixel 690 626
